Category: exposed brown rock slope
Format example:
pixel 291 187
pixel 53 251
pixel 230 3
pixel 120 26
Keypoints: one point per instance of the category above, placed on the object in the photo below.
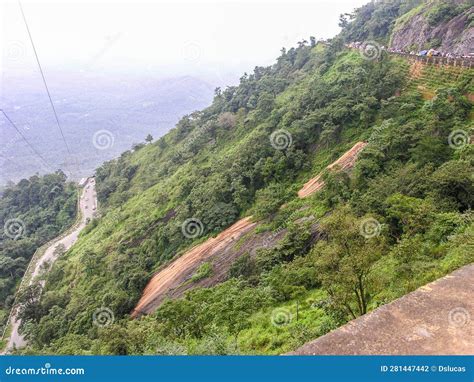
pixel 454 35
pixel 344 163
pixel 435 319
pixel 174 279
pixel 180 270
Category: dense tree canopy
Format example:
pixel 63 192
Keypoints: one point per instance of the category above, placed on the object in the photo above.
pixel 32 212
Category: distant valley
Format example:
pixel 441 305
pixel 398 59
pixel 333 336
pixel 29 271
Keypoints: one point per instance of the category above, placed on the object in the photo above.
pixel 101 118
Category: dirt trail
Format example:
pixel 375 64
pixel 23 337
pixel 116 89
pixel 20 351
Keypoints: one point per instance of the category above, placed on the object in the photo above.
pixel 344 163
pixel 87 206
pixel 170 281
pixel 436 319
pixel 175 273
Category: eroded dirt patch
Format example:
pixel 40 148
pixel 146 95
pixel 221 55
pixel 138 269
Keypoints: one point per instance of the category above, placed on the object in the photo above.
pixel 221 251
pixel 344 163
pixel 180 270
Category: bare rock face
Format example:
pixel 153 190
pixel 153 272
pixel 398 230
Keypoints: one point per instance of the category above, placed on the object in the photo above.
pixel 454 36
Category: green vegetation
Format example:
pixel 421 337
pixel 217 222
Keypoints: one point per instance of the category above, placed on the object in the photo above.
pixel 204 271
pixel 402 218
pixel 32 212
pixel 376 21
pixel 444 11
pixel 379 20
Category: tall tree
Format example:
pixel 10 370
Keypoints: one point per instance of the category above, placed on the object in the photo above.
pixel 345 260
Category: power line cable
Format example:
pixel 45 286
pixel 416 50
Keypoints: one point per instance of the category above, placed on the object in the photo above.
pixel 26 140
pixel 44 81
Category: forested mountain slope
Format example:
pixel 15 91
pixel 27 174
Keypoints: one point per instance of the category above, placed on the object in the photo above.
pixel 414 25
pixel 31 212
pixel 401 218
pixel 446 25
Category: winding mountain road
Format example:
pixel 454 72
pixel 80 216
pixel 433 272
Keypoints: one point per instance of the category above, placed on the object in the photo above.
pixel 87 207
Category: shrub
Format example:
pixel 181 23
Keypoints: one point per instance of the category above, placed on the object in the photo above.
pixel 204 271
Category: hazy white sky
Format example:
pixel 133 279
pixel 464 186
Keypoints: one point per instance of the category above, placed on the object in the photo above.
pixel 171 37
